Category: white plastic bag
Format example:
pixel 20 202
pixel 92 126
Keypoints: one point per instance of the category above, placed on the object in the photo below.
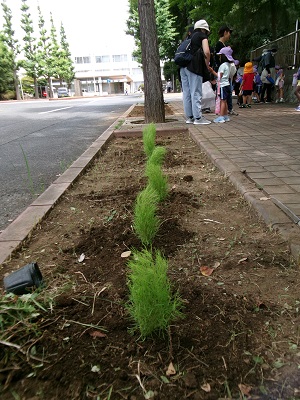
pixel 208 96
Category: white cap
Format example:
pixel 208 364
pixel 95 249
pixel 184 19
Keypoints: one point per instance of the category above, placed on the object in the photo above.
pixel 202 24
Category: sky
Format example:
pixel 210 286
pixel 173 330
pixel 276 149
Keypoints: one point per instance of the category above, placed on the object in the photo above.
pixel 91 26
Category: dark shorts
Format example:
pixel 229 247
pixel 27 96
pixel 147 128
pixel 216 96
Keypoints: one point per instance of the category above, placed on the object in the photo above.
pixel 247 92
pixel 225 92
pixel 257 88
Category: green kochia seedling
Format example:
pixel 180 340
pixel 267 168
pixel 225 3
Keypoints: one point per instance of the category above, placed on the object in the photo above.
pixel 158 155
pixel 157 180
pixel 149 135
pixel 151 303
pixel 146 223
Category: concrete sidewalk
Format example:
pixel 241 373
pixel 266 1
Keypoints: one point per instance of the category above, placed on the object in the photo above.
pixel 258 150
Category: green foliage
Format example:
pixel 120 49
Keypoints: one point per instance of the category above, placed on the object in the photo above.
pixel 6 71
pixel 165 27
pixel 158 155
pixel 149 135
pixel 151 304
pixel 19 317
pixel 13 49
pixel 157 180
pixel 46 57
pixel 29 47
pixel 254 22
pixel 146 223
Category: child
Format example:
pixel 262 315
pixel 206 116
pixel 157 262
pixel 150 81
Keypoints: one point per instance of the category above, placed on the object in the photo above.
pixel 247 85
pixel 279 84
pixel 223 73
pixel 257 85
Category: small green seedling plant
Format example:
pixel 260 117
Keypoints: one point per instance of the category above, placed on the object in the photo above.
pixel 146 223
pixel 157 181
pixel 151 305
pixel 149 135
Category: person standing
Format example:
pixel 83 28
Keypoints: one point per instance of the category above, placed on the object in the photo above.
pixel 224 36
pixel 268 75
pixel 223 75
pixel 192 75
pixel 247 85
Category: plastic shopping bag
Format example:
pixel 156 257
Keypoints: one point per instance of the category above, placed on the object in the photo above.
pixel 208 96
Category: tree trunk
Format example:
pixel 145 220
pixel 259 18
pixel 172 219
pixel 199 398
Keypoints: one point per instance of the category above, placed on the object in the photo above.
pixel 36 89
pixel 154 99
pixel 16 85
pixel 50 87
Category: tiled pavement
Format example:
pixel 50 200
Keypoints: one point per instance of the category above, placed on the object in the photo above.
pixel 258 150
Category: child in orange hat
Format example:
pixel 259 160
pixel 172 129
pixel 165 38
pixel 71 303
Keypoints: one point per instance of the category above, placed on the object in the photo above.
pixel 247 85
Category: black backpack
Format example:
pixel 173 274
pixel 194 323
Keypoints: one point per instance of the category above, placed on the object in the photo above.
pixel 183 54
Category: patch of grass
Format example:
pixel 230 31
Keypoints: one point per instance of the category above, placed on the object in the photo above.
pixel 119 124
pixel 146 223
pixel 151 304
pixel 19 328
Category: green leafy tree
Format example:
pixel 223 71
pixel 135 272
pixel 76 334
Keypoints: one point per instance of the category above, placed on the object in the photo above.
pixel 67 72
pixel 12 45
pixel 56 60
pixel 44 53
pixel 254 22
pixel 6 72
pixel 165 28
pixel 30 47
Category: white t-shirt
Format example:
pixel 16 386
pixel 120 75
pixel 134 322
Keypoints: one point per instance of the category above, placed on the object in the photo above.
pixel 225 69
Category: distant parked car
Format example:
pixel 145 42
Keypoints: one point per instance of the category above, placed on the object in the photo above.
pixel 62 92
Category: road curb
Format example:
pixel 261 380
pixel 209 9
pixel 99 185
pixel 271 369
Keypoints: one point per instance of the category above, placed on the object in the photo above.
pixel 12 237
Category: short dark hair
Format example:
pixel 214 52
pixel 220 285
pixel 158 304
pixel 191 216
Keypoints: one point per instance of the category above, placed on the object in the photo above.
pixel 224 29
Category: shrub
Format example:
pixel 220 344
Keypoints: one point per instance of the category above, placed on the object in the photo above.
pixel 151 304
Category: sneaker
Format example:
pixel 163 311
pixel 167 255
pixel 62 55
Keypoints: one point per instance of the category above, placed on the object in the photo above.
pixel 281 100
pixel 219 120
pixel 242 106
pixel 202 121
pixel 206 110
pixel 227 119
pixel 249 105
pixel 189 121
pixel 298 108
pixel 232 112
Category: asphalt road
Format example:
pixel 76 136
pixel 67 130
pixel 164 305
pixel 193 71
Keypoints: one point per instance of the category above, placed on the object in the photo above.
pixel 40 139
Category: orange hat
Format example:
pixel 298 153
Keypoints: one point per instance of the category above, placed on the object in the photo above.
pixel 248 68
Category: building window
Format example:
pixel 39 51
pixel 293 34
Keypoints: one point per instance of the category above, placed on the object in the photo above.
pixel 102 59
pixel 120 58
pixel 82 60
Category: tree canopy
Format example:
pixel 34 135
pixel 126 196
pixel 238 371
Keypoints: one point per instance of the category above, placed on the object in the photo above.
pixel 43 55
pixel 254 22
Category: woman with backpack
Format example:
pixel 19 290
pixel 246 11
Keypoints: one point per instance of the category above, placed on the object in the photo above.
pixel 192 75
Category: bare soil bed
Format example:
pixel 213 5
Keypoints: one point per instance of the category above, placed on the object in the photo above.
pixel 240 334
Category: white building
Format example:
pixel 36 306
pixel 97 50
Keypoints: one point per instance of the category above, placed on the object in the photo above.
pixel 110 72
